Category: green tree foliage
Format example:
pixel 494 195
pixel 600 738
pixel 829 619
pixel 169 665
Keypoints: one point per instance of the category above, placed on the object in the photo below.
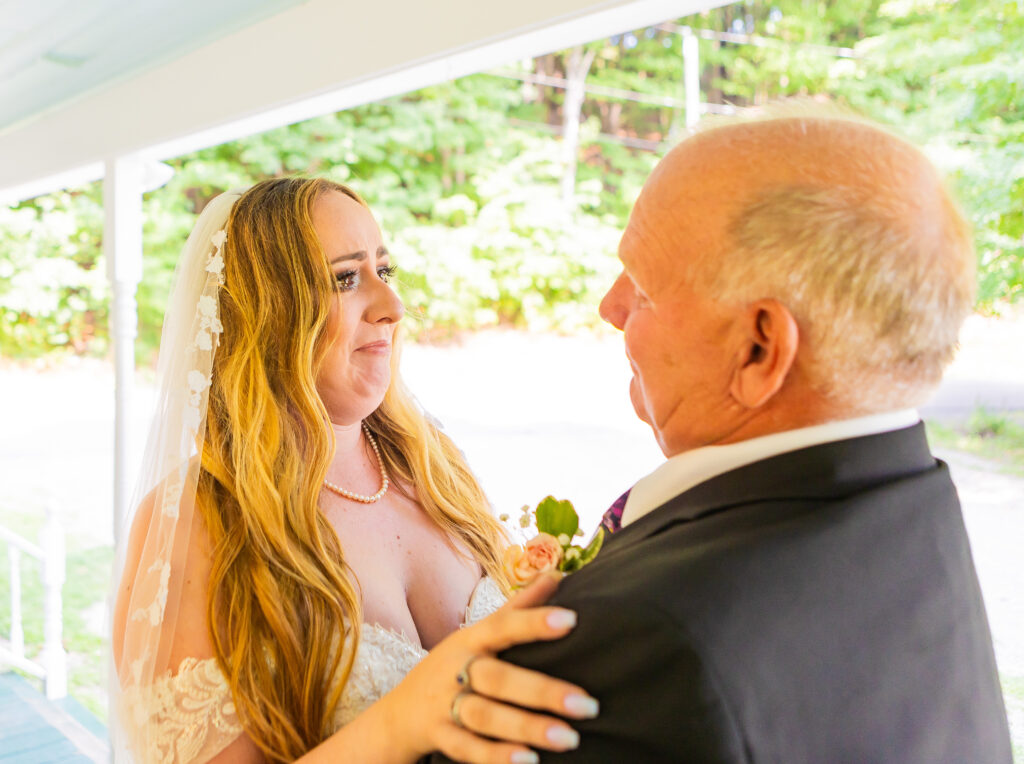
pixel 951 75
pixel 53 289
pixel 469 208
pixel 464 176
pixel 948 75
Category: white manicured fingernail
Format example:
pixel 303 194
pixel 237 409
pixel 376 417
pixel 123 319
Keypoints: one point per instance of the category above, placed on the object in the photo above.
pixel 561 619
pixel 582 706
pixel 564 737
pixel 525 757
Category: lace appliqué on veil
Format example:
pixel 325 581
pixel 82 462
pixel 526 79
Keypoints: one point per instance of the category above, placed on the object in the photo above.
pixel 191 714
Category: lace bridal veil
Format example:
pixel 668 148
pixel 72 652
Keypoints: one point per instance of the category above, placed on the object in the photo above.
pixel 154 552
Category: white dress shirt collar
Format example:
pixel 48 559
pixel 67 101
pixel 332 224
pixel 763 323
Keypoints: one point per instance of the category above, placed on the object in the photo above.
pixel 683 471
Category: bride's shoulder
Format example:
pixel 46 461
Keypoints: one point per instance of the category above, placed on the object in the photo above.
pixel 179 706
pixel 167 533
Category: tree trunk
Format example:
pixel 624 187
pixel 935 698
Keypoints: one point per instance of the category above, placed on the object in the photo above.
pixel 446 178
pixel 547 66
pixel 576 67
pixel 460 167
pixel 611 116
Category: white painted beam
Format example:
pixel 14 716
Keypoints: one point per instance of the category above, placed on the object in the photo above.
pixel 320 57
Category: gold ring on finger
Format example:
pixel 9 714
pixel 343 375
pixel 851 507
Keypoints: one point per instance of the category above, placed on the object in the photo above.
pixel 456 703
pixel 463 678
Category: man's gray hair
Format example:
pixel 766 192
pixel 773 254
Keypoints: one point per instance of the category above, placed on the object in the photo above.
pixel 878 274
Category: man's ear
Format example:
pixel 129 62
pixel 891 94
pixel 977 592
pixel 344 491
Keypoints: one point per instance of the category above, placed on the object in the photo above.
pixel 770 341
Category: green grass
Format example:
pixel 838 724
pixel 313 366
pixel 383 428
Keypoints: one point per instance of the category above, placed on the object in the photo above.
pixel 1013 696
pixel 996 436
pixel 85 591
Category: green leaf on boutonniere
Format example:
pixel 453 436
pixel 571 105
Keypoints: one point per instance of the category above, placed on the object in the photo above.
pixel 591 550
pixel 557 517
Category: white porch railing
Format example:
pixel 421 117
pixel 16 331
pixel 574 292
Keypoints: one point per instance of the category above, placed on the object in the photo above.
pixel 52 666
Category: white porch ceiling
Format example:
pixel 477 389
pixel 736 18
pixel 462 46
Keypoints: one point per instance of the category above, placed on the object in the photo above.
pixel 52 51
pixel 84 81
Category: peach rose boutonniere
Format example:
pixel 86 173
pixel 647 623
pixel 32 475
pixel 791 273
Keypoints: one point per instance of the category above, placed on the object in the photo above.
pixel 551 548
pixel 541 553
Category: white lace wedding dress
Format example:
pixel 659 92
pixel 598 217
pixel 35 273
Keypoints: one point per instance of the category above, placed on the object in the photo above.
pixel 196 717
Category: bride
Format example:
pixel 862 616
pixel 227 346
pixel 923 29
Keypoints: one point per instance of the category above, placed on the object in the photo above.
pixel 307 544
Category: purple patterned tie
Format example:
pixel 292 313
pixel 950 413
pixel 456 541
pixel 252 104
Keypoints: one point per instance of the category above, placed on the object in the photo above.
pixel 612 519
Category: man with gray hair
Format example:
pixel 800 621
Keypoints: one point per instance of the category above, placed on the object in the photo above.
pixel 794 584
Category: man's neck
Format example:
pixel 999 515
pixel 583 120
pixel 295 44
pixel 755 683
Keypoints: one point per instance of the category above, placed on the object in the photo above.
pixel 777 416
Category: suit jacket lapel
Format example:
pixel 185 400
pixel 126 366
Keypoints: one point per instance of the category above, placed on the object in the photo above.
pixel 826 471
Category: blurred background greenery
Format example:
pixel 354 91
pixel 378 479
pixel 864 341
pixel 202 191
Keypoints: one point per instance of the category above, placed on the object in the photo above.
pixel 470 178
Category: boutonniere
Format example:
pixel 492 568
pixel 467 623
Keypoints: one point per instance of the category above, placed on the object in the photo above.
pixel 557 524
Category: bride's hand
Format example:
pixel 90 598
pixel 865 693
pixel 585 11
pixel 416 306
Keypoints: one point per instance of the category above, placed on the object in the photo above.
pixel 439 714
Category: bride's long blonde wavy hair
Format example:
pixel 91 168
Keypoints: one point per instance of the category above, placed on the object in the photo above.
pixel 284 610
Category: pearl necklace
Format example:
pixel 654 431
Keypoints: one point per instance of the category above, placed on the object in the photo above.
pixel 384 482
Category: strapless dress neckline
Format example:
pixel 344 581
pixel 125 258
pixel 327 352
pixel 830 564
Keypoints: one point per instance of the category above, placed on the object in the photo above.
pixel 484 600
pixel 192 717
pixel 386 655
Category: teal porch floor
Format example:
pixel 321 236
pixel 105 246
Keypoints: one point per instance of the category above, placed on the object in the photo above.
pixel 34 730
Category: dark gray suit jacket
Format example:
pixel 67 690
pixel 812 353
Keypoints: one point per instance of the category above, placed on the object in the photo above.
pixel 818 606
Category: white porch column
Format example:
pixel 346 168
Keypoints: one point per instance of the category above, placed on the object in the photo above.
pixel 122 246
